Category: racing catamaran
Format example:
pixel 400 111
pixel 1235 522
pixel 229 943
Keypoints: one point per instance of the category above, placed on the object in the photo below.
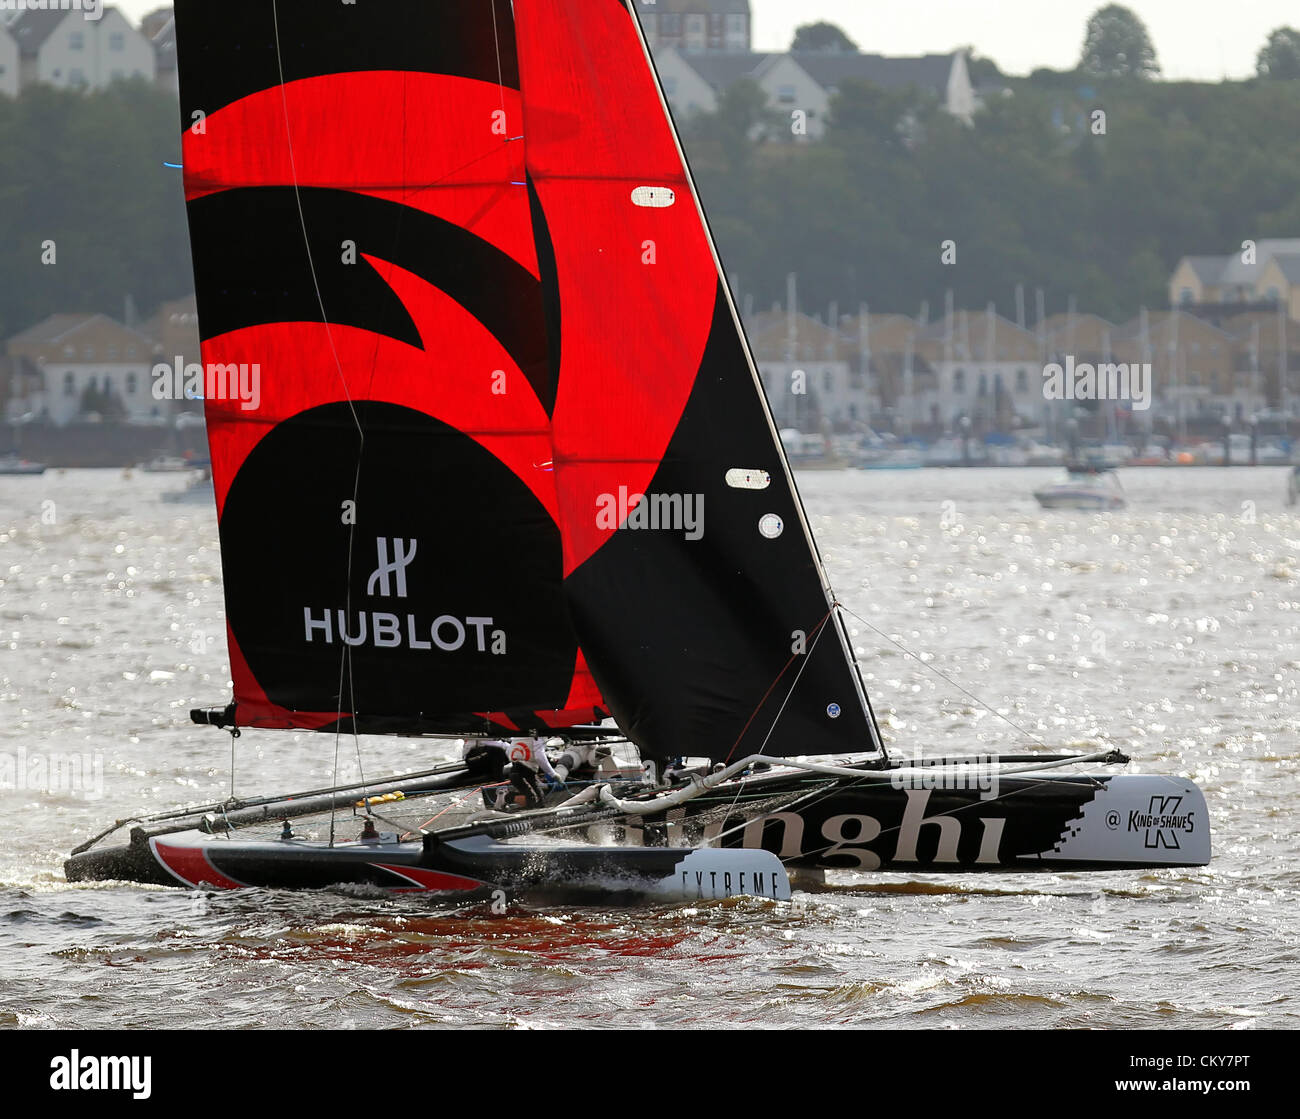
pixel 509 476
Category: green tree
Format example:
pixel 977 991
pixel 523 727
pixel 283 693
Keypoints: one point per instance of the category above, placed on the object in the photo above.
pixel 744 119
pixel 1116 45
pixel 84 171
pixel 824 37
pixel 982 70
pixel 91 400
pixel 1280 56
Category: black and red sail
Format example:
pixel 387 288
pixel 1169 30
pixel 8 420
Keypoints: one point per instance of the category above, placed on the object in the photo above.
pixel 712 633
pixel 506 424
pixel 362 239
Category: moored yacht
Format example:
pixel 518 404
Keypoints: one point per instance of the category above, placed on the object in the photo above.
pixel 1086 487
pixel 12 464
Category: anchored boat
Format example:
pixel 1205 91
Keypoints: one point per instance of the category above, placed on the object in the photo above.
pixel 12 464
pixel 198 491
pixel 1087 487
pixel 507 474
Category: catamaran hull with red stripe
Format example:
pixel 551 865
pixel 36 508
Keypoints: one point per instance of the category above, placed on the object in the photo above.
pixel 470 869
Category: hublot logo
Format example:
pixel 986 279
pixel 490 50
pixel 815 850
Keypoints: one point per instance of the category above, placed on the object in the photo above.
pixel 401 558
pixel 384 630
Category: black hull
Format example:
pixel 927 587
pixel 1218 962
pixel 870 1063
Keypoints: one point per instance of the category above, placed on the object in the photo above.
pixel 1034 823
pixel 1023 823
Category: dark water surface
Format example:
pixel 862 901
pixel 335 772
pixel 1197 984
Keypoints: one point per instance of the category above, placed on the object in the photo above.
pixel 1170 629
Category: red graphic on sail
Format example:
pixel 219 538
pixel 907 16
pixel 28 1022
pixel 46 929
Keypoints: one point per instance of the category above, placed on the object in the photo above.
pixel 443 146
pixel 385 134
pixel 637 284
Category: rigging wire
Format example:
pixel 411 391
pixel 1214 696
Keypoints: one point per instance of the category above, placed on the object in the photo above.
pixel 496 41
pixel 943 676
pixel 454 804
pixel 821 628
pixel 345 660
pixel 234 733
pixel 817 630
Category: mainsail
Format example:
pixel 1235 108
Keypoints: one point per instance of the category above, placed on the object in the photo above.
pixel 506 424
pixel 362 240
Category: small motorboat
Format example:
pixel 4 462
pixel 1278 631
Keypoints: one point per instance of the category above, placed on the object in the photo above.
pixel 1270 454
pixel 198 492
pixel 1086 487
pixel 895 458
pixel 166 464
pixel 12 464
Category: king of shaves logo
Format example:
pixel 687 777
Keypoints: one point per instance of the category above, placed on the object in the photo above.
pixel 83 1072
pixel 1162 822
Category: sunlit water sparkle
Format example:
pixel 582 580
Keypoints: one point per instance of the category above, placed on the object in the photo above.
pixel 1168 629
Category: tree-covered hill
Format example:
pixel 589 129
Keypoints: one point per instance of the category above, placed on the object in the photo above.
pixel 1039 191
pixel 85 171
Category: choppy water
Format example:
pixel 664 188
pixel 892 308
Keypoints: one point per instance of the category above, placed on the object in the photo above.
pixel 1171 629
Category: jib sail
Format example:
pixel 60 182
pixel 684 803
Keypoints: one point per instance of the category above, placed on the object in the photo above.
pixel 692 577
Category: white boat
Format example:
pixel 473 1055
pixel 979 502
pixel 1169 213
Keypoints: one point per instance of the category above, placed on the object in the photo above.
pixel 12 464
pixel 1152 454
pixel 1042 454
pixel 949 451
pixel 1089 488
pixel 801 445
pixel 166 464
pixel 1114 454
pixel 198 492
pixel 1270 454
pixel 893 458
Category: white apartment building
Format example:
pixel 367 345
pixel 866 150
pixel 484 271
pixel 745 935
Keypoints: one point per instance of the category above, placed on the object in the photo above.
pixel 65 49
pixel 74 353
